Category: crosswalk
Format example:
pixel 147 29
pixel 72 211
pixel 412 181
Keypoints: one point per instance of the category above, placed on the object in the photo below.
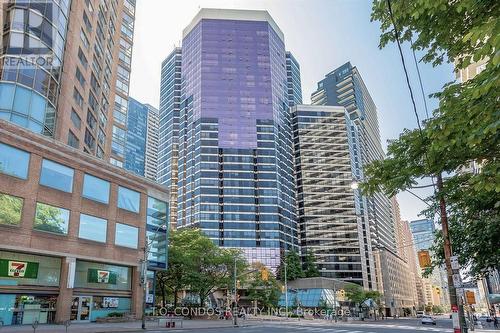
pixel 367 328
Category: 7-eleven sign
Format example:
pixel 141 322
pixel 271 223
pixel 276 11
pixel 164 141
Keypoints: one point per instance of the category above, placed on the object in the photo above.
pixel 17 268
pixel 102 276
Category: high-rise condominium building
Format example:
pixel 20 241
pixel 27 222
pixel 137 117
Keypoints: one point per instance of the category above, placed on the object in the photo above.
pixel 141 141
pixel 65 69
pixel 168 150
pixel 329 210
pixel 235 168
pixel 423 234
pixel 345 87
pixel 294 86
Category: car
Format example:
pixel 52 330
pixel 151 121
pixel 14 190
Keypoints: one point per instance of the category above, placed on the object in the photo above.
pixel 420 314
pixel 428 320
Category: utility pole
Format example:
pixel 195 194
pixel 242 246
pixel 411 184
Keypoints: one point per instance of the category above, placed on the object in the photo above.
pixel 235 309
pixel 144 281
pixel 454 300
pixel 286 292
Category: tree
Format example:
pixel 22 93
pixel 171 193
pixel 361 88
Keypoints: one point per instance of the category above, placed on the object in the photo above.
pixel 293 267
pixel 266 292
pixel 310 267
pixel 180 265
pixel 197 264
pixel 357 295
pixel 464 129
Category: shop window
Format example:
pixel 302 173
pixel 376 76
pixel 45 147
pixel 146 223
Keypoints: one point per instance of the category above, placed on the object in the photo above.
pixel 93 228
pixel 126 235
pixel 102 276
pixel 95 189
pixel 10 209
pixel 57 176
pixel 128 199
pixel 13 161
pixel 51 219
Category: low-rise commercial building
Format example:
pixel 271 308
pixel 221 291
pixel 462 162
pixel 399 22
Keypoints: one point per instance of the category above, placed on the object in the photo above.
pixel 72 229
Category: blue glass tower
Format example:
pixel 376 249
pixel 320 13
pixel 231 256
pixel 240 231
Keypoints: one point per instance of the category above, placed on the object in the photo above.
pixel 168 151
pixel 135 146
pixel 235 160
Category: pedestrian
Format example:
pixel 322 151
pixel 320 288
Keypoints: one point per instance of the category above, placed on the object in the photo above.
pixel 495 322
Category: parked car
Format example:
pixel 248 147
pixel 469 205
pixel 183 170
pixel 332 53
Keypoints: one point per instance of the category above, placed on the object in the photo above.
pixel 420 314
pixel 428 320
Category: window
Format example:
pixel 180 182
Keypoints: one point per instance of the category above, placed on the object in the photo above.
pixel 57 176
pixel 75 119
pixel 51 219
pixel 91 120
pixel 77 97
pixel 83 59
pixel 73 140
pixel 13 161
pixel 89 139
pixel 128 199
pixel 79 77
pixel 86 20
pixel 126 235
pixel 10 209
pixel 84 39
pixel 93 228
pixel 95 189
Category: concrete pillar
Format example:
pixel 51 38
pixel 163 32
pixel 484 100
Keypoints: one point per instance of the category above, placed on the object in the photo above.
pixel 137 292
pixel 66 284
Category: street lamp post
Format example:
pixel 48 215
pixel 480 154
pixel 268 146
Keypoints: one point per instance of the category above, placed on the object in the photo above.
pixel 235 314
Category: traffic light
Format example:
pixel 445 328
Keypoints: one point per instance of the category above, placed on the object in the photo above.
pixel 282 289
pixel 264 274
pixel 470 297
pixel 438 291
pixel 424 259
pixel 238 284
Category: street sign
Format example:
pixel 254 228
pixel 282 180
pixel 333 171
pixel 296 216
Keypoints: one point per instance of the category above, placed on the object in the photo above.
pixel 457 281
pixel 454 262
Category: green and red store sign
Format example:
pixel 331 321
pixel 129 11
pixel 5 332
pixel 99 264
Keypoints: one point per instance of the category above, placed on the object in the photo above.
pixel 18 269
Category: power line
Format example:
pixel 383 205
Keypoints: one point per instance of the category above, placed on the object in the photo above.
pixel 420 81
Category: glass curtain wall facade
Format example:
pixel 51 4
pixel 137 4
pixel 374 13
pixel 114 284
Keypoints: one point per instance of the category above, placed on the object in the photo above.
pixel 331 225
pixel 294 86
pixel 71 87
pixel 34 35
pixel 168 150
pixel 151 160
pixel 135 148
pixel 235 149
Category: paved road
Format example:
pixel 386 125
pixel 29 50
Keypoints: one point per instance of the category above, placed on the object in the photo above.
pixel 386 326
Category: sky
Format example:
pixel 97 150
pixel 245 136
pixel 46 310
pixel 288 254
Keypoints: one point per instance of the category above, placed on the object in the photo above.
pixel 322 35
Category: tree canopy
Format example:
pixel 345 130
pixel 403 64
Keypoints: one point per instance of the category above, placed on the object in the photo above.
pixel 196 264
pixel 265 291
pixel 462 130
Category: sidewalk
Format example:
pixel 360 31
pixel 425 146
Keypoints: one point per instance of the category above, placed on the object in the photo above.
pixel 115 327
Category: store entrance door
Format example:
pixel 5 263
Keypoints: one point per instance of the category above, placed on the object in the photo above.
pixel 81 308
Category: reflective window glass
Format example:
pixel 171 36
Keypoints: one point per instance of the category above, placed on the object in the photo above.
pixel 6 96
pixel 128 199
pixel 22 100
pixel 57 176
pixel 93 228
pixel 126 235
pixel 51 219
pixel 13 161
pixel 10 209
pixel 95 189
